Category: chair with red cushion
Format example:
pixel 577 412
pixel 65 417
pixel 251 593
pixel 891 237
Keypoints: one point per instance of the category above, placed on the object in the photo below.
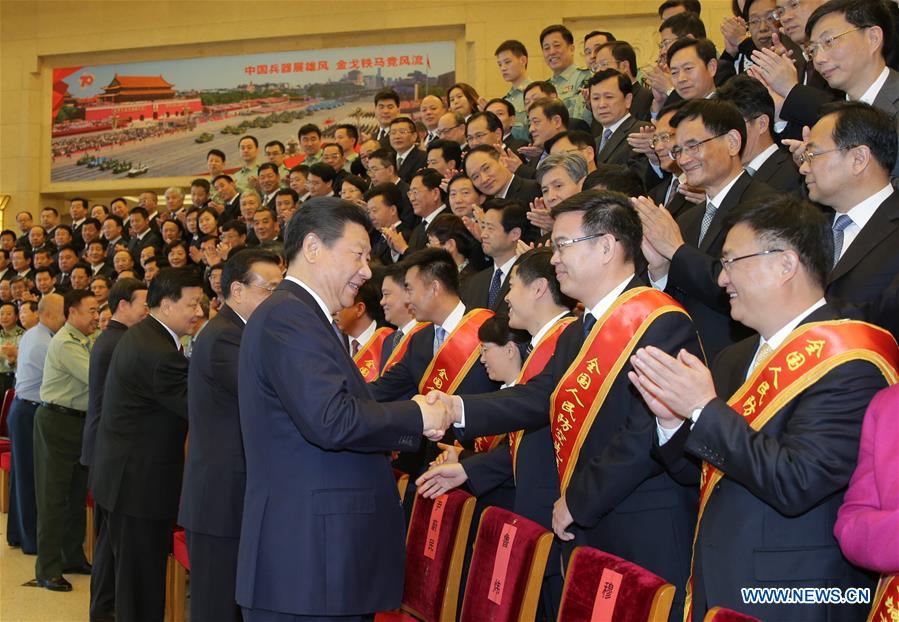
pixel 602 586
pixel 180 568
pixel 5 468
pixel 435 549
pixel 886 600
pixel 89 527
pixel 506 571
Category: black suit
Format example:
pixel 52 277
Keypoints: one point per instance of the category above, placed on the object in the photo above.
pixel 231 209
pixel 380 250
pixel 215 471
pixel 138 461
pixel 618 495
pixel 770 521
pixel 382 135
pixel 693 275
pixel 780 173
pixel 476 289
pixel 111 249
pixel 414 160
pixel 103 571
pixel 418 237
pixel 514 143
pixel 617 150
pixel 676 204
pixel 641 102
pixel 136 245
pixel 523 190
pixel 105 270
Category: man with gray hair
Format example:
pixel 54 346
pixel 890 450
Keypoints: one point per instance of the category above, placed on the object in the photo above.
pixel 250 201
pixel 174 203
pixel 560 176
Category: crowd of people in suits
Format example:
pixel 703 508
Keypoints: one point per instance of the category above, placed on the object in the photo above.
pixel 645 306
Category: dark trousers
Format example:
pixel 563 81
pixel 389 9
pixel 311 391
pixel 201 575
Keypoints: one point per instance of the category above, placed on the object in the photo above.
pixel 61 491
pixel 21 527
pixel 213 577
pixel 262 615
pixel 140 548
pixel 103 570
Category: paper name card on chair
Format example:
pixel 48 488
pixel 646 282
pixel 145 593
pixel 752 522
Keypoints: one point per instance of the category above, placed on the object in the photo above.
pixel 433 538
pixel 501 563
pixel 606 595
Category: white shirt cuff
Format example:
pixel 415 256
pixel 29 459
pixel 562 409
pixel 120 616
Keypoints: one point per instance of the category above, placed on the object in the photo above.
pixel 461 424
pixel 661 284
pixel 665 434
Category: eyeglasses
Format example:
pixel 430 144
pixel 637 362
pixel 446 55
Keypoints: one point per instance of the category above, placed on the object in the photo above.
pixel 808 155
pixel 478 136
pixel 792 5
pixel 559 245
pixel 446 130
pixel 727 263
pixel 268 288
pixel 661 139
pixel 768 18
pixel 825 43
pixel 690 150
pixel 400 131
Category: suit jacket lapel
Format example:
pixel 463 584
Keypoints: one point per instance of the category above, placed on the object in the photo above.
pixel 888 97
pixel 881 225
pixel 231 315
pixel 771 166
pixel 617 137
pixel 731 200
pixel 298 292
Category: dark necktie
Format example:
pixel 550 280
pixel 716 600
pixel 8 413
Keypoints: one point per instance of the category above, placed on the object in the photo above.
pixel 589 322
pixel 839 227
pixel 495 285
pixel 397 337
pixel 672 190
pixel 355 347
pixel 606 135
pixel 706 220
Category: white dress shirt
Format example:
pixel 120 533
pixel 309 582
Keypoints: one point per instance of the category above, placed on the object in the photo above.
pixel 318 299
pixel 861 214
pixel 364 336
pixel 873 91
pixel 536 337
pixel 758 161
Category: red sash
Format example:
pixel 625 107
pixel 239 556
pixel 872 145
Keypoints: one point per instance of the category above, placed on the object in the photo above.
pixel 584 387
pixel 534 364
pixel 368 358
pixel 886 600
pixel 807 354
pixel 454 359
pixel 400 349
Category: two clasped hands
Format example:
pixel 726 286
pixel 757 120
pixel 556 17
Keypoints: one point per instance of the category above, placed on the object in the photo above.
pixel 438 412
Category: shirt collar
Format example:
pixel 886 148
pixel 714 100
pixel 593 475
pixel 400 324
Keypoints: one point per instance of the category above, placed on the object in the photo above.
pixel 761 158
pixel 716 200
pixel 567 74
pixel 427 220
pixel 600 308
pixel 453 319
pixel 169 330
pixel 366 334
pixel 618 123
pixel 862 213
pixel 778 338
pixel 514 90
pixel 535 339
pixel 408 326
pixel 318 299
pixel 405 154
pixel 502 193
pixel 76 223
pixel 506 268
pixel 873 91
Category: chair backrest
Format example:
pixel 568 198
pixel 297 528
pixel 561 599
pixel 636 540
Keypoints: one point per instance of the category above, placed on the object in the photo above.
pixel 4 410
pixel 602 586
pixel 506 571
pixel 435 551
pixel 722 614
pixel 886 600
pixel 402 482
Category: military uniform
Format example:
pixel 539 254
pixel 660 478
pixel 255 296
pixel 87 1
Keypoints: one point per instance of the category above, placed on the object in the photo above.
pixel 515 96
pixel 568 85
pixel 60 478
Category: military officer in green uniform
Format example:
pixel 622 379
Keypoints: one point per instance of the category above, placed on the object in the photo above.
pixel 557 43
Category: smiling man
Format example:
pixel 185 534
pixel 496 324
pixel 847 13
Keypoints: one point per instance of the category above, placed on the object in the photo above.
pixel 557 44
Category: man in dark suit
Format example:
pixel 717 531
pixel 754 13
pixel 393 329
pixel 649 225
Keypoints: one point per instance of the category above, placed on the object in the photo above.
pixel 139 453
pixel 142 235
pixel 215 472
pixel 228 196
pixel 78 212
pixel 389 235
pixel 382 170
pixel 128 302
pixel 683 255
pixel 491 177
pixel 762 158
pixel 611 94
pixel 613 494
pixel 404 140
pixel 322 531
pixel 505 223
pixel 777 456
pixel 387 108
pixel 396 310
pixel 428 201
pixel 114 234
pixel 621 55
pixel 663 176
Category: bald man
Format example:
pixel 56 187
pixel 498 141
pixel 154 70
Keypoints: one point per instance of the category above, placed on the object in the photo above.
pixel 432 108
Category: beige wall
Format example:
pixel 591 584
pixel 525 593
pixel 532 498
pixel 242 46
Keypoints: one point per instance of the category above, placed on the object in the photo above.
pixel 36 36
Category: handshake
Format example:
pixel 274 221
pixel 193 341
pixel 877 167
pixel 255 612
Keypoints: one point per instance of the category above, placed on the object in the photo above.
pixel 438 412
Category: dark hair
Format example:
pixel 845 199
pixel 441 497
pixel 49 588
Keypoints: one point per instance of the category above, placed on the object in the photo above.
pixel 215 152
pixel 406 120
pixel 860 14
pixel 493 122
pixel 302 169
pixel 369 294
pixel 600 33
pixel 446 227
pixel 496 330
pixel 117 219
pixel 387 94
pixel 536 264
pixel 552 108
pixel 514 216
pixel 449 149
pixel 90 220
pixel 140 211
pixel 173 244
pixel 38 271
pixel 323 172
pixel 102 277
pixel 326 217
pixel 607 212
pixel 73 298
pixel 430 178
pixel 858 123
pixel 622 51
pixel 50 209
pixel 288 192
pixel 62 228
pixel 390 192
pixel 718 117
pixel 386 155
pixel 170 282
pixel 459 176
pixel 66 247
pixel 784 218
pixel 237 268
pixel 23 249
pixel 468 91
pixel 239 140
pixel 684 25
pixel 750 96
pixel 705 49
pixel 510 107
pixel 268 166
pixel 309 128
pixel 435 264
pixel 84 202
pixel 123 289
pixel 559 28
pixel 692 6
pixel 119 200
pixel 82 266
pixel 578 138
pixel 395 271
pixel 360 184
pixel 276 143
pixel 350 130
pixel 624 83
pixel 617 178
pixel 235 225
pixel 335 145
pixel 227 178
pixel 546 87
pixel 199 182
pixel 511 45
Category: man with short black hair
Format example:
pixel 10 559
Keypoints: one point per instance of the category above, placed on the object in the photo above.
pixel 113 233
pixel 513 120
pixel 557 43
pixel 451 126
pixel 286 204
pixel 593 41
pixel 392 237
pixel 491 176
pixel 320 180
pixel 621 55
pixel 512 59
pixel 227 193
pixel 66 259
pixel 427 200
pixel 387 108
pixel 245 178
pixel 78 212
pixel 310 137
pixel 484 128
pixel 215 163
pixel 670 8
pixel 49 220
pixel 347 136
pixel 274 153
pixel 431 109
pixel 444 156
pixel 265 224
pixel 269 183
pixel 611 94
pixel 403 140
pixel 333 156
pixel 142 235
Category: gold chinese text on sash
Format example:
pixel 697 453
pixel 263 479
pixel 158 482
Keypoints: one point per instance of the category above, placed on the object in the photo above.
pixel 400 349
pixel 454 359
pixel 807 355
pixel 368 358
pixel 534 364
pixel 585 385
